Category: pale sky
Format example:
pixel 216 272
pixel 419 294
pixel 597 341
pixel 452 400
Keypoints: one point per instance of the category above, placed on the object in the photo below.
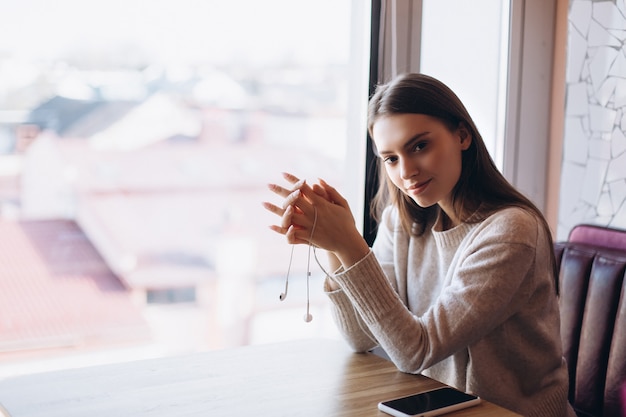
pixel 178 30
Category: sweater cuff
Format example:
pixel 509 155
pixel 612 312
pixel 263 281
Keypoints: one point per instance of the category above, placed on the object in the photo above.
pixel 367 287
pixel 338 297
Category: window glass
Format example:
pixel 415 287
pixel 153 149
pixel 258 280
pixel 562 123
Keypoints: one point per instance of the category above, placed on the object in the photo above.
pixel 136 142
pixel 470 54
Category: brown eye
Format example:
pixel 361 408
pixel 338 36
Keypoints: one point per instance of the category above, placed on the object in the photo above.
pixel 419 146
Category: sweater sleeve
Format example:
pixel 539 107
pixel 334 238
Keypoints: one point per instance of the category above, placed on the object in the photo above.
pixel 485 289
pixel 349 322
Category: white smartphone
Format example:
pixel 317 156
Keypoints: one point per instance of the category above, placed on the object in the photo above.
pixel 429 403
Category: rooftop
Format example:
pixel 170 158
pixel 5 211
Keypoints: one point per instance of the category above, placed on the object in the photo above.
pixel 56 291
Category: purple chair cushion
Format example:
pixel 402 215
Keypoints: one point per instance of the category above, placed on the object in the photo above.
pixel 598 236
pixel 624 399
pixel 592 265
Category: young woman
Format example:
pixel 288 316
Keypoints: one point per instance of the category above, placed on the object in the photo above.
pixel 459 284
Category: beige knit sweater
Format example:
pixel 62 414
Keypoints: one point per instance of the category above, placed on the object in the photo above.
pixel 474 307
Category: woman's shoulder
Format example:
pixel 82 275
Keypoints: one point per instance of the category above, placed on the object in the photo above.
pixel 513 213
pixel 514 224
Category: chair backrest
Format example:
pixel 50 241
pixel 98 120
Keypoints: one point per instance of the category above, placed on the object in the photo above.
pixel 603 237
pixel 592 264
pixel 624 399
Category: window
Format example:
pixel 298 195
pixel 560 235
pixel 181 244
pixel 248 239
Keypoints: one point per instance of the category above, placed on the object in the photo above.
pixel 136 140
pixel 497 56
pixel 476 64
pixel 136 143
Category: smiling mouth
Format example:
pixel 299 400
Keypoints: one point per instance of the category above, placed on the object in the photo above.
pixel 416 189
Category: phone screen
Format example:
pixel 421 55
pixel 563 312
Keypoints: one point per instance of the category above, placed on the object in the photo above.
pixel 430 401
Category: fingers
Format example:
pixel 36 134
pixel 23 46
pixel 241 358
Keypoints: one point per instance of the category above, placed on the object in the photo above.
pixel 291 236
pixel 284 192
pixel 295 199
pixel 273 208
pixel 311 194
pixel 319 190
pixel 291 199
pixel 286 226
pixel 290 177
pixel 285 219
pixel 333 194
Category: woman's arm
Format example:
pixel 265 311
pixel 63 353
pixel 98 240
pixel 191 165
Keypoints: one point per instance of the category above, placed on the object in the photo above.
pixel 493 281
pixel 321 198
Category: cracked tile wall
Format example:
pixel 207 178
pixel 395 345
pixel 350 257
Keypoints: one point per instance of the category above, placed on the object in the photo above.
pixel 593 176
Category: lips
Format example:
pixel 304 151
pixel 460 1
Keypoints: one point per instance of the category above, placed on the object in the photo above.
pixel 418 188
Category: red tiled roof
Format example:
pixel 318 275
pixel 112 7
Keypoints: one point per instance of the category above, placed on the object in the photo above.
pixel 55 290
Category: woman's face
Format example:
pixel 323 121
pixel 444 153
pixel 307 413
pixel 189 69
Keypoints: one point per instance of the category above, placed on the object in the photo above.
pixel 422 156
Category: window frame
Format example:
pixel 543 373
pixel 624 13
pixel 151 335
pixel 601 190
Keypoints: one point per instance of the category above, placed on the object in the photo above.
pixel 526 141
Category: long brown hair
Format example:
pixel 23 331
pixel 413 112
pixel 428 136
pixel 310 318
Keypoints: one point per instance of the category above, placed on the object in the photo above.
pixel 481 186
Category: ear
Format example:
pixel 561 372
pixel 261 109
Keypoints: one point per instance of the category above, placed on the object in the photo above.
pixel 465 136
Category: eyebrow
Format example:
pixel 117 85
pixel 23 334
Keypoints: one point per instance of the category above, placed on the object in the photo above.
pixel 407 144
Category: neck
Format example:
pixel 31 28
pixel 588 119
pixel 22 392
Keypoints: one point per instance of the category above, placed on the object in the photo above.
pixel 446 222
pixel 448 219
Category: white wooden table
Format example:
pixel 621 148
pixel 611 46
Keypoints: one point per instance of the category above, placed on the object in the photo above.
pixel 302 378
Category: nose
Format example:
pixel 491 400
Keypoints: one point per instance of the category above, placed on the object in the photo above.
pixel 408 168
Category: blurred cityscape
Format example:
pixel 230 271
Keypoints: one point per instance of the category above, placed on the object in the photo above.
pixel 130 204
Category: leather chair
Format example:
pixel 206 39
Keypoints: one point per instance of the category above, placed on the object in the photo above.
pixel 592 264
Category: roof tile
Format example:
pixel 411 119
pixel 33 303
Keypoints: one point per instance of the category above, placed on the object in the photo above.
pixel 56 290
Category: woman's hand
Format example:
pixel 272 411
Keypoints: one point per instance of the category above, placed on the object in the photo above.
pixel 285 211
pixel 319 216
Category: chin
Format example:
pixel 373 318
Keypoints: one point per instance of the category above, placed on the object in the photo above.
pixel 423 202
